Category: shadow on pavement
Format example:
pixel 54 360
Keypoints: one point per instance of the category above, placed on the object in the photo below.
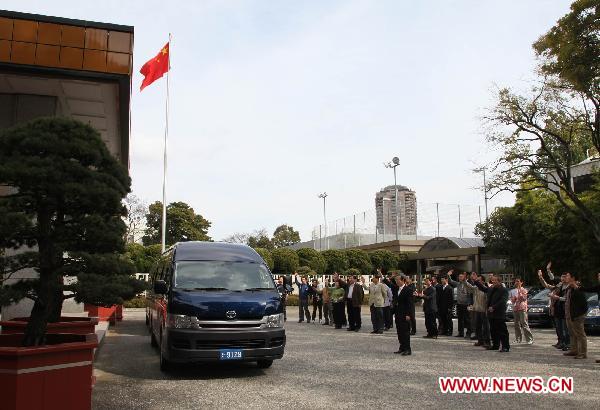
pixel 126 351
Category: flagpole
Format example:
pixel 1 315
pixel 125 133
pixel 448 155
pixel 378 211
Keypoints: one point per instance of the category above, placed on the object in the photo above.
pixel 164 198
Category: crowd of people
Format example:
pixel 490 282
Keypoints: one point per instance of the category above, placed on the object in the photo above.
pixel 480 307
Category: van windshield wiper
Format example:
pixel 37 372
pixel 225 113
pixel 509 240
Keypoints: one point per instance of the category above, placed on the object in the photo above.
pixel 252 289
pixel 208 288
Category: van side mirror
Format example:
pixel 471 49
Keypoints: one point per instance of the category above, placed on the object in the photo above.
pixel 160 287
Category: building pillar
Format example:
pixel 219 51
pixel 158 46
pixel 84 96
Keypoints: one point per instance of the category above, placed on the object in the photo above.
pixel 477 263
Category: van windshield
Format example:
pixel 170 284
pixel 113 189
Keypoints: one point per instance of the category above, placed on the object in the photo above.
pixel 218 275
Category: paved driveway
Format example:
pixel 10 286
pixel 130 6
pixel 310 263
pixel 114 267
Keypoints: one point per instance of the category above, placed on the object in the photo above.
pixel 328 368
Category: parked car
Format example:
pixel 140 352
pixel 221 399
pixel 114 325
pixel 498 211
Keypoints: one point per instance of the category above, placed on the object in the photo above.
pixel 532 291
pixel 592 319
pixel 213 302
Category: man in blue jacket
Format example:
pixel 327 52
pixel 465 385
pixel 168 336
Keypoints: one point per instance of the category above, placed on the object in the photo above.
pixel 304 291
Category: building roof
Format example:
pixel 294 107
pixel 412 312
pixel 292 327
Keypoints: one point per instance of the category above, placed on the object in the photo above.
pixel 215 251
pixel 392 188
pixel 62 20
pixel 445 243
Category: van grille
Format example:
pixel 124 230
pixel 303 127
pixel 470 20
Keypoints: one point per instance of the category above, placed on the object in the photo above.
pixel 277 342
pixel 230 326
pixel 230 344
pixel 180 343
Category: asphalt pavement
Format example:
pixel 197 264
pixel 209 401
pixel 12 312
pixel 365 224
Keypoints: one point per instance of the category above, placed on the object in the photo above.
pixel 328 368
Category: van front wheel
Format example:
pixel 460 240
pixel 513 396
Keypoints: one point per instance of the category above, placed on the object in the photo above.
pixel 264 364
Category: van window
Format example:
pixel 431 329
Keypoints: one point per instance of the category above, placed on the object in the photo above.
pixel 218 275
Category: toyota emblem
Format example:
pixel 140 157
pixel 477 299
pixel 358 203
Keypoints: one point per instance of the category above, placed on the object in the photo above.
pixel 231 314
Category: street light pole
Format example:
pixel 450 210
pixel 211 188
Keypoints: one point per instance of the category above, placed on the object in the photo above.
pixel 324 197
pixel 395 162
pixel 483 169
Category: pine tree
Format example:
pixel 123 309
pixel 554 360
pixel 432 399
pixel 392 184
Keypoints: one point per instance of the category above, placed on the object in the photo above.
pixel 62 216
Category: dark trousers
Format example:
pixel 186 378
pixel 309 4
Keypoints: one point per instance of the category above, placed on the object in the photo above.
pixel 413 320
pixel 317 305
pixel 561 326
pixel 403 331
pixel 387 317
pixel 558 330
pixel 430 324
pixel 499 333
pixel 463 319
pixel 377 318
pixel 303 309
pixel 339 316
pixel 482 327
pixel 328 312
pixel 446 321
pixel 354 320
pixel 283 302
pixel 471 321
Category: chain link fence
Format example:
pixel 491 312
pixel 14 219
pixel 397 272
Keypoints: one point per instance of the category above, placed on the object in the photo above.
pixel 366 228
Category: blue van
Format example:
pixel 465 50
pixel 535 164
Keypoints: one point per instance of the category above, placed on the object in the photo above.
pixel 214 302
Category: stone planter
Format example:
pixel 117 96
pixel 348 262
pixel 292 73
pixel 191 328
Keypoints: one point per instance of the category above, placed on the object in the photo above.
pixel 67 324
pixel 57 375
pixel 103 314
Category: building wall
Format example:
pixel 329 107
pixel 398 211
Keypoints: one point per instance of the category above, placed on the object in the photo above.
pixel 51 66
pixel 385 208
pixel 70 46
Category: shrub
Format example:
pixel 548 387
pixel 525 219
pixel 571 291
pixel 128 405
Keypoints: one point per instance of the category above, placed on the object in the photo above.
pixel 285 261
pixel 359 259
pixel 266 255
pixel 384 259
pixel 313 259
pixel 336 261
pixel 137 302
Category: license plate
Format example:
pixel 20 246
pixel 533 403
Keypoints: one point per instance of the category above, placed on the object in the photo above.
pixel 231 354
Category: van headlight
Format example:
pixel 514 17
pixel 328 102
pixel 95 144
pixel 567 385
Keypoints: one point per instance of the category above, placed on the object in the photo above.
pixel 182 322
pixel 272 321
pixel 594 312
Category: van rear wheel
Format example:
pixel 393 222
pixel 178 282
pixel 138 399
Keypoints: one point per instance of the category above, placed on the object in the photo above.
pixel 153 341
pixel 264 364
pixel 165 365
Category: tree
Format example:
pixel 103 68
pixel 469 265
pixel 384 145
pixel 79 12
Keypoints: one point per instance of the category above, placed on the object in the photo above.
pixel 260 239
pixel 359 259
pixel 183 224
pixel 312 258
pixel 237 238
pixel 62 216
pixel 337 261
pixel 143 257
pixel 551 130
pixel 353 272
pixel 285 235
pixel 569 50
pixel 537 229
pixel 267 257
pixel 285 261
pixel 135 218
pixel 384 259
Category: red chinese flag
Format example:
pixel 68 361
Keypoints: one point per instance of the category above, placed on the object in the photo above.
pixel 155 67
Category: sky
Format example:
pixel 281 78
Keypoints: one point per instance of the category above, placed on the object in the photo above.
pixel 273 102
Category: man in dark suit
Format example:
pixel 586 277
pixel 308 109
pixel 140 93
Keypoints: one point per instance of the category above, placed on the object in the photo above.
pixel 354 297
pixel 403 308
pixel 497 297
pixel 445 309
pixel 438 297
pixel 413 321
pixel 429 309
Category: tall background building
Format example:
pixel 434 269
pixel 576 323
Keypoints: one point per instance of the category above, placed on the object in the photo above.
pixel 385 208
